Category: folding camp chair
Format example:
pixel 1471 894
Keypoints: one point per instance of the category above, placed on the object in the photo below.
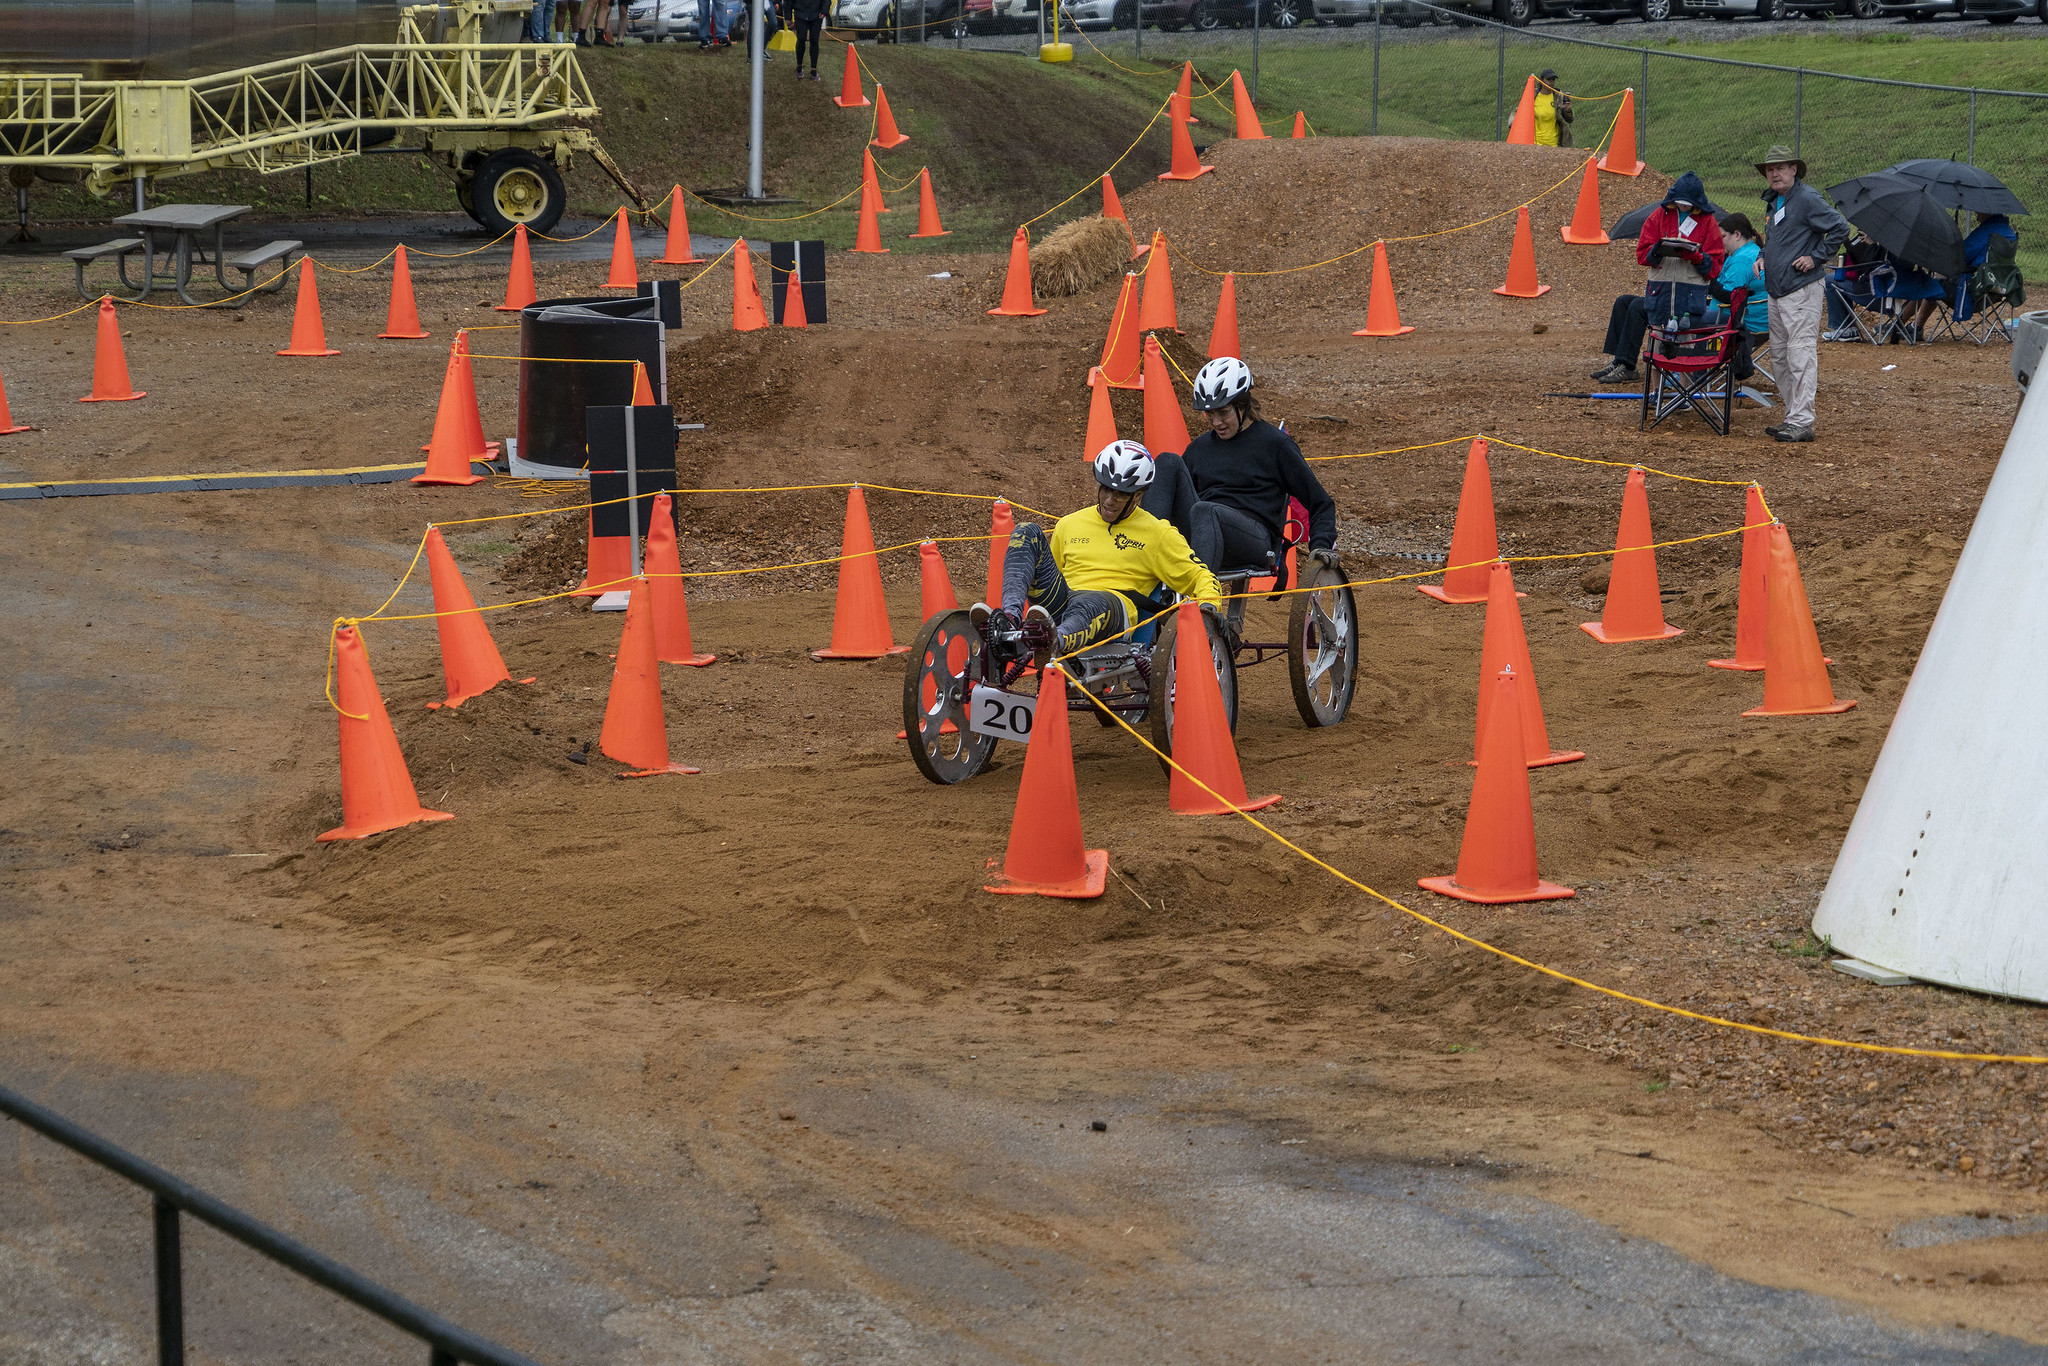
pixel 1692 368
pixel 1994 289
pixel 1874 318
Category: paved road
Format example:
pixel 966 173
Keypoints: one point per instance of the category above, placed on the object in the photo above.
pixel 900 1218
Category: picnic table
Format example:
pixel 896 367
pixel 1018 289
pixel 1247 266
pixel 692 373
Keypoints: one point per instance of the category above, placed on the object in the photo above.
pixel 185 235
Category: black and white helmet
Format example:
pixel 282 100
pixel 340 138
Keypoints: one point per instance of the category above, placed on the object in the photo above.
pixel 1124 466
pixel 1221 382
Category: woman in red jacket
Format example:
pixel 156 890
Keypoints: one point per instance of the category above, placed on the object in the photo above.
pixel 1681 247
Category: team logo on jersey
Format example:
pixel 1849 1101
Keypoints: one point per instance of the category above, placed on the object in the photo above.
pixel 1124 542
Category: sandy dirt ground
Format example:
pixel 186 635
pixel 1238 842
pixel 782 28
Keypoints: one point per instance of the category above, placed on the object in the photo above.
pixel 745 1066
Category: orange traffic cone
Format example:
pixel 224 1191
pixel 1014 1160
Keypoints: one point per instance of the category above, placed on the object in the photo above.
pixel 519 281
pixel 1506 646
pixel 870 183
pixel 1382 314
pixel 1166 430
pixel 1497 859
pixel 1185 93
pixel 1620 157
pixel 1101 418
pixel 376 790
pixel 1474 544
pixel 665 589
pixel 1121 364
pixel 470 661
pixel 1247 117
pixel 1185 165
pixel 7 424
pixel 109 363
pixel 643 392
pixel 403 318
pixel 935 584
pixel 634 730
pixel 1113 208
pixel 1522 261
pixel 607 560
pixel 1300 124
pixel 1017 300
pixel 1795 674
pixel 860 617
pixel 927 207
pixel 1584 230
pixel 886 134
pixel 1750 610
pixel 1047 855
pixel 868 237
pixel 1156 310
pixel 1223 335
pixel 747 315
pixel 1000 525
pixel 1635 610
pixel 1522 131
pixel 448 450
pixel 793 314
pixel 625 272
pixel 474 445
pixel 849 96
pixel 1206 778
pixel 678 251
pixel 309 338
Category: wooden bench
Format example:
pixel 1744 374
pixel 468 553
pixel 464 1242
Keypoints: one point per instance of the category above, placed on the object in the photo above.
pixel 249 262
pixel 119 248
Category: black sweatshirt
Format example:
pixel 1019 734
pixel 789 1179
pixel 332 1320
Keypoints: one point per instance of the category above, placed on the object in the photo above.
pixel 1256 472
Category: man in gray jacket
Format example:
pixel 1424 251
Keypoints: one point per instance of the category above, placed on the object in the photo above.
pixel 1804 232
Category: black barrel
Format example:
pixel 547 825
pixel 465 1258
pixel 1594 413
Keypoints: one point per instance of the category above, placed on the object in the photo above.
pixel 553 394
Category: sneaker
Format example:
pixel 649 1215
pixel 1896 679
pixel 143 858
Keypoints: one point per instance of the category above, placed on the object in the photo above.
pixel 1788 432
pixel 1621 374
pixel 979 614
pixel 814 75
pixel 582 38
pixel 1774 429
pixel 1840 334
pixel 1041 632
pixel 1604 371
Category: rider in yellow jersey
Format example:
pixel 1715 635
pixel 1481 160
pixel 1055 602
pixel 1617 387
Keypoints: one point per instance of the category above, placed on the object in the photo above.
pixel 1092 578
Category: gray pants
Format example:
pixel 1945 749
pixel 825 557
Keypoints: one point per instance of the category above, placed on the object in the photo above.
pixel 1795 350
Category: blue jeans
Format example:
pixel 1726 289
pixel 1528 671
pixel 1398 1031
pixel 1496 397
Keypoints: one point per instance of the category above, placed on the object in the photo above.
pixel 711 21
pixel 540 22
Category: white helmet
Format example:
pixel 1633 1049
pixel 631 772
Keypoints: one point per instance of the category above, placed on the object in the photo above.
pixel 1124 466
pixel 1221 382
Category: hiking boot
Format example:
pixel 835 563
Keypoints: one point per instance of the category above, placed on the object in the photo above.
pixel 1040 633
pixel 1788 432
pixel 1774 429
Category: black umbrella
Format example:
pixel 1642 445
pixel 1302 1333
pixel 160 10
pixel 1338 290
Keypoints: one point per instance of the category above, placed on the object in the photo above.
pixel 1629 227
pixel 1903 218
pixel 1959 185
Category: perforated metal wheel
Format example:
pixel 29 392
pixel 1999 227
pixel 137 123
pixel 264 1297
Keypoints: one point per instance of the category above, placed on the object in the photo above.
pixel 938 682
pixel 1161 710
pixel 1322 648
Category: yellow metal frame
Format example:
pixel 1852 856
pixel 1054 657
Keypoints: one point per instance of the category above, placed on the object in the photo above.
pixel 449 98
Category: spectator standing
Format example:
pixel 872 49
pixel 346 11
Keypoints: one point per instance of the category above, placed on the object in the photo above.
pixel 713 33
pixel 1804 233
pixel 540 22
pixel 1677 287
pixel 808 19
pixel 1553 112
pixel 596 15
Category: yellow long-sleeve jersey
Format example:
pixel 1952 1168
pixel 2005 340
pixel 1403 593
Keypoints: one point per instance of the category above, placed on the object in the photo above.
pixel 1130 557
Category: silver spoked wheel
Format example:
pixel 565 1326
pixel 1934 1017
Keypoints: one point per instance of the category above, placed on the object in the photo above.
pixel 938 680
pixel 1322 648
pixel 1161 710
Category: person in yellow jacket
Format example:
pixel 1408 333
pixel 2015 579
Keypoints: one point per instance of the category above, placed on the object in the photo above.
pixel 1553 112
pixel 1091 579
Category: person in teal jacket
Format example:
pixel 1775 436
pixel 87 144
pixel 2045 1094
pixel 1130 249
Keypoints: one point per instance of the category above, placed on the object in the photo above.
pixel 1743 268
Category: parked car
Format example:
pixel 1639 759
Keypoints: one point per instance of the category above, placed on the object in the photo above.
pixel 673 21
pixel 1920 11
pixel 1848 9
pixel 921 19
pixel 1727 11
pixel 1400 13
pixel 1209 15
pixel 1514 13
pixel 2005 11
pixel 1612 11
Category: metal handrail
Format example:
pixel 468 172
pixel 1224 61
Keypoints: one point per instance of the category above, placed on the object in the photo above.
pixel 448 1343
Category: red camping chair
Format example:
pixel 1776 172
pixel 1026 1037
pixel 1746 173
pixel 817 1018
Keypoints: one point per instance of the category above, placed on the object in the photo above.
pixel 1693 368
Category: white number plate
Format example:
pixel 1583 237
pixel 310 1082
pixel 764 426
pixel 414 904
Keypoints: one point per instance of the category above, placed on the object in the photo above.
pixel 1005 715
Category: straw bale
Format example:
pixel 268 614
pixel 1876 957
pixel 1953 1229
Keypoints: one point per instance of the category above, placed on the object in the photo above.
pixel 1076 257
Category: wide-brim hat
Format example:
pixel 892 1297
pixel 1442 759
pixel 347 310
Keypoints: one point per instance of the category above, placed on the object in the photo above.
pixel 1780 154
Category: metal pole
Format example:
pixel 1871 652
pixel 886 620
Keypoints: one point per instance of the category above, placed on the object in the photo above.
pixel 140 205
pixel 1500 84
pixel 757 54
pixel 633 482
pixel 1041 24
pixel 1256 7
pixel 1973 125
pixel 1643 111
pixel 1138 29
pixel 1798 106
pixel 1379 10
pixel 170 1287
